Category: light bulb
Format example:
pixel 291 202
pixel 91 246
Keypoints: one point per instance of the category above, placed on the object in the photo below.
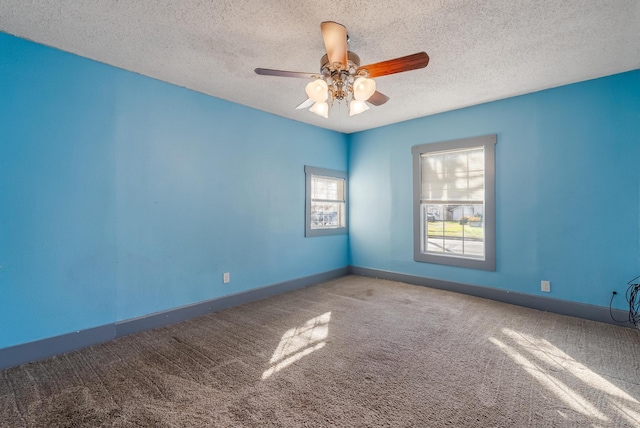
pixel 363 88
pixel 321 109
pixel 357 107
pixel 317 90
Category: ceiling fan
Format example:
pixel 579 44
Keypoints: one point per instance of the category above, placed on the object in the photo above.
pixel 342 77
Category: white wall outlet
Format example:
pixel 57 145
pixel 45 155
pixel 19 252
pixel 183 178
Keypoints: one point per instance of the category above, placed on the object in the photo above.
pixel 545 286
pixel 226 277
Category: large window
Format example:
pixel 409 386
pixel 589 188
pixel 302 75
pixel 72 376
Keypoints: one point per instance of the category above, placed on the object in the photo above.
pixel 454 202
pixel 326 201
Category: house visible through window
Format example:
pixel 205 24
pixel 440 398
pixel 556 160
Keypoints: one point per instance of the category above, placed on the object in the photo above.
pixel 454 208
pixel 326 201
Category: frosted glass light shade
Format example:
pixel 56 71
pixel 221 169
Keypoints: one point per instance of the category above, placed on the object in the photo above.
pixel 321 109
pixel 317 90
pixel 363 88
pixel 357 107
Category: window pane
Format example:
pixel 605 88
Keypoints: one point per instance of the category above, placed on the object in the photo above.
pixel 327 188
pixel 325 202
pixel 327 215
pixel 453 229
pixel 453 176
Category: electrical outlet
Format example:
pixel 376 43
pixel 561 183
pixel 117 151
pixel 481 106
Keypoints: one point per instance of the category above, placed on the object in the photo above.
pixel 226 277
pixel 545 286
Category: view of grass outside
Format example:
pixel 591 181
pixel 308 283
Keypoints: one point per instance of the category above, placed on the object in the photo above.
pixel 453 229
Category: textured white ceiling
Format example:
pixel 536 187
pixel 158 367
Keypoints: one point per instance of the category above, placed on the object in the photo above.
pixel 480 50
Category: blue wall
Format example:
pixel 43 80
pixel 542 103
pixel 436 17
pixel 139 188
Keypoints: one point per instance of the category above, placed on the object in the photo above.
pixel 567 189
pixel 123 196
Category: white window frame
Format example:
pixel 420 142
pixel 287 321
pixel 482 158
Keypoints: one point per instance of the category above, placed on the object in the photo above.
pixel 487 142
pixel 311 171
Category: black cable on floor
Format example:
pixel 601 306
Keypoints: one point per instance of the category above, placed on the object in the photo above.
pixel 633 298
pixel 611 312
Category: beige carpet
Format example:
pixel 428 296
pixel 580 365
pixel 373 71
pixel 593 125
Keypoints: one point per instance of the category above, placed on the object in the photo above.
pixel 351 352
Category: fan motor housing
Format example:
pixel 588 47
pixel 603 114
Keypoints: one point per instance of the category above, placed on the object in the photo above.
pixel 340 76
pixel 353 59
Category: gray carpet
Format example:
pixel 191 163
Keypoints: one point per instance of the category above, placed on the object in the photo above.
pixel 350 352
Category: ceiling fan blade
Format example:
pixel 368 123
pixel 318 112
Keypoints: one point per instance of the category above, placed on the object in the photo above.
pixel 283 73
pixel 335 41
pixel 377 99
pixel 308 103
pixel 398 65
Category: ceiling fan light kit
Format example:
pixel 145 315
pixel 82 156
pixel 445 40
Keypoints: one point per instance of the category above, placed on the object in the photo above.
pixel 321 109
pixel 342 78
pixel 363 88
pixel 317 90
pixel 357 107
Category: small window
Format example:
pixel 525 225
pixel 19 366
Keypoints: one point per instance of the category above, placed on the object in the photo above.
pixel 454 202
pixel 326 201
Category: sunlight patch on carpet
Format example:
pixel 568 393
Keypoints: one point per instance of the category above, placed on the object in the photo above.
pixel 299 342
pixel 629 414
pixel 570 397
pixel 552 355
